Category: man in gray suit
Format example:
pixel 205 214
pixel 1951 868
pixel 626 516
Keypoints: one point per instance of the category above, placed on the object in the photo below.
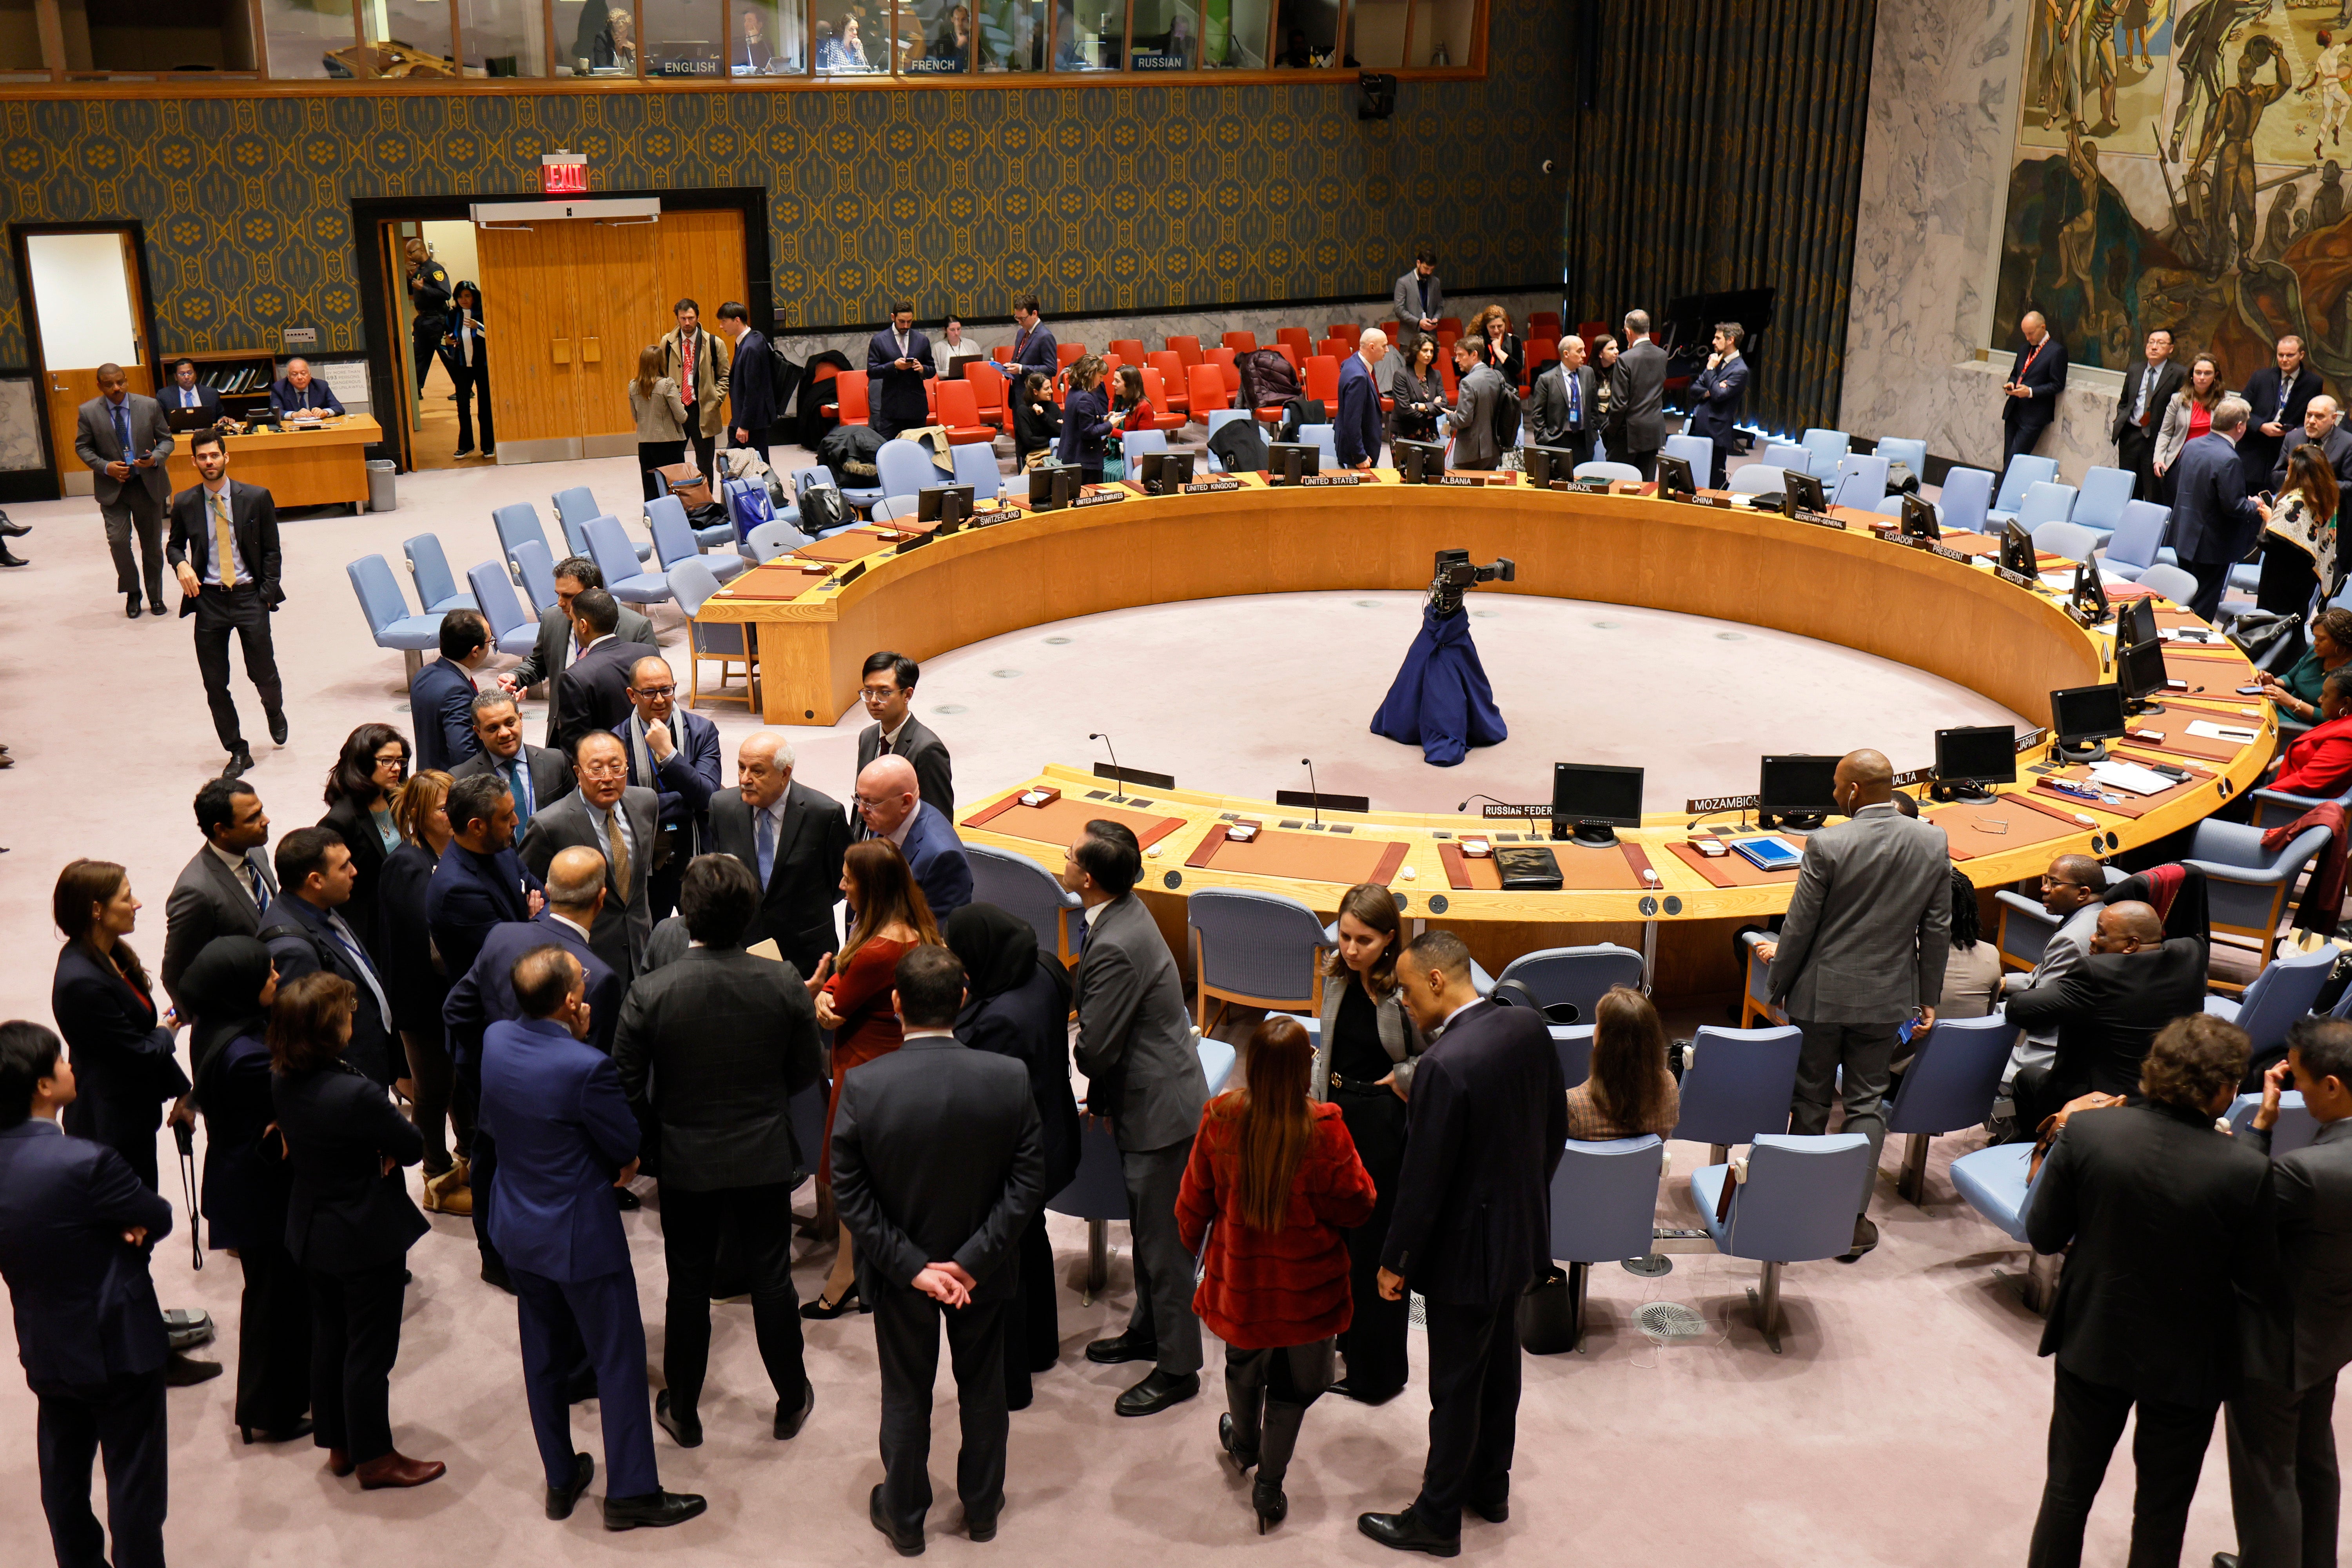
pixel 620 821
pixel 793 839
pixel 1471 420
pixel 1143 1071
pixel 553 654
pixel 1637 388
pixel 224 890
pixel 1419 300
pixel 2283 1482
pixel 123 439
pixel 2073 892
pixel 1863 949
pixel 537 775
pixel 1561 411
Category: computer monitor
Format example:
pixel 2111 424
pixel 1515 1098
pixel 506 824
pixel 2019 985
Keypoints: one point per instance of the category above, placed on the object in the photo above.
pixel 2017 551
pixel 182 420
pixel 1919 519
pixel 1968 759
pixel 1053 485
pixel 1288 462
pixel 1797 791
pixel 2083 716
pixel 2090 592
pixel 1546 463
pixel 1674 477
pixel 1594 799
pixel 1424 462
pixel 2139 670
pixel 1802 492
pixel 946 504
pixel 1161 473
pixel 2136 624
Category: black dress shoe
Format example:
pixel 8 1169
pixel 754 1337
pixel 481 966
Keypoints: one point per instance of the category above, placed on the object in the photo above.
pixel 1346 1389
pixel 1406 1532
pixel 2225 1560
pixel 495 1273
pixel 908 1545
pixel 789 1424
pixel 133 611
pixel 561 1500
pixel 685 1430
pixel 183 1372
pixel 626 1200
pixel 13 530
pixel 240 762
pixel 300 1427
pixel 653 1510
pixel 155 607
pixel 1866 1236
pixel 10 558
pixel 277 728
pixel 982 1529
pixel 1125 1347
pixel 1494 1512
pixel 823 1311
pixel 1157 1393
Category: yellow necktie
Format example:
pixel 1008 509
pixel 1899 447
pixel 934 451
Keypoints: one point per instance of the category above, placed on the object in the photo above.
pixel 619 850
pixel 222 541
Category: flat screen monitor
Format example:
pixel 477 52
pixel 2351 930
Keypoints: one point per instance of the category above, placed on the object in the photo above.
pixel 2083 716
pixel 1424 462
pixel 1919 520
pixel 2090 594
pixel 1674 477
pixel 1970 758
pixel 948 504
pixel 2017 551
pixel 1288 462
pixel 2136 623
pixel 1797 791
pixel 185 420
pixel 2139 671
pixel 1593 799
pixel 1053 485
pixel 1803 492
pixel 1547 463
pixel 1161 473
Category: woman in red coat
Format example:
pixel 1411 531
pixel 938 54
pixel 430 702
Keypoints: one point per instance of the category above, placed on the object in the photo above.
pixel 2319 761
pixel 1273 1180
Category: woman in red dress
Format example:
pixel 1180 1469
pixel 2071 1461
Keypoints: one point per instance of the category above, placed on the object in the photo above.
pixel 888 916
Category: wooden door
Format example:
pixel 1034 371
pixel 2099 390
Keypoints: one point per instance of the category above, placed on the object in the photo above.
pixel 528 304
pixel 618 312
pixel 91 261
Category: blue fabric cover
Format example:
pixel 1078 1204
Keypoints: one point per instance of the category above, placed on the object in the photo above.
pixel 1442 700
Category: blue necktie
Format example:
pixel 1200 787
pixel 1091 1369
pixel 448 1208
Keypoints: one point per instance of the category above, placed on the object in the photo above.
pixel 122 429
pixel 259 888
pixel 1575 406
pixel 767 846
pixel 518 780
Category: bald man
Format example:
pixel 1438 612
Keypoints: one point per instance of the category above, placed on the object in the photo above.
pixel 1356 422
pixel 302 393
pixel 674 753
pixel 2323 425
pixel 890 807
pixel 792 838
pixel 2030 396
pixel 2107 1011
pixel 1861 954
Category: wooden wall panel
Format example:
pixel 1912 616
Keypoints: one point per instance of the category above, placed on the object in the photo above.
pixel 527 303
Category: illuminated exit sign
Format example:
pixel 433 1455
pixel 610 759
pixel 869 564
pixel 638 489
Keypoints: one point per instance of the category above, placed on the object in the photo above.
pixel 563 174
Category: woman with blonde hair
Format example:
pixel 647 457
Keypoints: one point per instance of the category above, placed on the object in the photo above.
pixel 660 415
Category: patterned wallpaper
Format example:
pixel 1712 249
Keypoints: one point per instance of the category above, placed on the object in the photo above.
pixel 1097 198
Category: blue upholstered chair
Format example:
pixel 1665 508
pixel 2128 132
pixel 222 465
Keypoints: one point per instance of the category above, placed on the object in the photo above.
pixel 1966 495
pixel 2071 540
pixel 1023 888
pixel 386 611
pixel 2046 501
pixel 1604 1206
pixel 2105 494
pixel 1788 455
pixel 975 465
pixel 1738 1085
pixel 1993 1182
pixel 729 642
pixel 1260 949
pixel 2246 886
pixel 2025 471
pixel 773 539
pixel 609 547
pixel 436 586
pixel 1861 482
pixel 1696 451
pixel 904 469
pixel 573 507
pixel 513 631
pixel 1625 471
pixel 518 525
pixel 2279 996
pixel 2138 536
pixel 1951 1083
pixel 1574 978
pixel 1829 449
pixel 675 541
pixel 537 570
pixel 2296 1129
pixel 1795 1205
pixel 1903 449
pixel 1757 479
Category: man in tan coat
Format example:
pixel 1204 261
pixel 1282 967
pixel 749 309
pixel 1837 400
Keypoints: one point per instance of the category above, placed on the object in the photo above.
pixel 695 358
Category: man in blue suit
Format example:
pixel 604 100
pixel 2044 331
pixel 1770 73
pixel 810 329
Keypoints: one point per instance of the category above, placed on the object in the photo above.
pixel 441 697
pixel 300 392
pixel 76 1229
pixel 570 1141
pixel 1356 422
pixel 1032 346
pixel 892 808
pixel 479 881
pixel 674 753
pixel 2214 520
pixel 750 395
pixel 1715 398
pixel 897 363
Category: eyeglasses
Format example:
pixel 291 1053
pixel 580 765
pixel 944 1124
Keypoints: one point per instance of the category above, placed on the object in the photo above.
pixel 2048 881
pixel 607 769
pixel 878 693
pixel 397 759
pixel 864 804
pixel 655 693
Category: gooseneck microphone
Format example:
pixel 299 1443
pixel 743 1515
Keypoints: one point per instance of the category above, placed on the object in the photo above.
pixel 1119 780
pixel 1315 793
pixel 1465 805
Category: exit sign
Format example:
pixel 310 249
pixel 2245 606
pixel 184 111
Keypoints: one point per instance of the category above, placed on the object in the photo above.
pixel 563 174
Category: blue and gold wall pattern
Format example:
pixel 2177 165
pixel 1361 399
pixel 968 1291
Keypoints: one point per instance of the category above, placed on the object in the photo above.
pixel 1098 198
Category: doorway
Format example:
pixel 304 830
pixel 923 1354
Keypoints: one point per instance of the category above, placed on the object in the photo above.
pixel 430 410
pixel 87 290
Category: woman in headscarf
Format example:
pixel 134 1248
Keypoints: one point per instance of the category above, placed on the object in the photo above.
pixel 1018 1006
pixel 230 986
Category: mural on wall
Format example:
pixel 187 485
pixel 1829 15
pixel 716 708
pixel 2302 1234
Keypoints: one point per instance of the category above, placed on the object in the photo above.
pixel 2181 164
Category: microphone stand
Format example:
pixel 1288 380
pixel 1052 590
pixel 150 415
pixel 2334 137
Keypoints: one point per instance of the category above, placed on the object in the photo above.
pixel 1315 793
pixel 1119 779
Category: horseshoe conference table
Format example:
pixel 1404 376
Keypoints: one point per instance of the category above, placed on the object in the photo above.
pixel 1849 585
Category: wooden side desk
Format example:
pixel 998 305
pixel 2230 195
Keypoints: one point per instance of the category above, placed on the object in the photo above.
pixel 326 467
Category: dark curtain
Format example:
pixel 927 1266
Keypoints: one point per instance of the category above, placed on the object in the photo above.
pixel 1722 149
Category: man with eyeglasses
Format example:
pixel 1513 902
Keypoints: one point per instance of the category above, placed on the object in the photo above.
pixel 618 820
pixel 887 802
pixel 538 775
pixel 792 838
pixel 676 754
pixel 2072 890
pixel 888 689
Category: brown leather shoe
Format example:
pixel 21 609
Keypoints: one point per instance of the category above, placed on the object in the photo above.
pixel 448 1194
pixel 397 1469
pixel 338 1463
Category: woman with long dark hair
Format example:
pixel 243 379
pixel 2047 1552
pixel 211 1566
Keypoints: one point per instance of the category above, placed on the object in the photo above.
pixel 2188 415
pixel 853 1000
pixel 1492 327
pixel 1271 1182
pixel 367 774
pixel 349 1225
pixel 416 983
pixel 124 1058
pixel 1036 417
pixel 1086 420
pixel 2299 543
pixel 1418 389
pixel 1630 1092
pixel 467 355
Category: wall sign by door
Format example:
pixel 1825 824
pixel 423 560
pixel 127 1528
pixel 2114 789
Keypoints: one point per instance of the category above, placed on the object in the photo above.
pixel 563 174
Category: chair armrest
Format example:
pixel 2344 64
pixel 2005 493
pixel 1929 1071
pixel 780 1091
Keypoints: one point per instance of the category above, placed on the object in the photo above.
pixel 2025 906
pixel 2288 798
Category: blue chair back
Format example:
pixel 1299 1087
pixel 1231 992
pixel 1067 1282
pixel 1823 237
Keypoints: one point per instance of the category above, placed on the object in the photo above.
pixel 1325 439
pixel 1955 1077
pixel 1217 1060
pixel 1573 1042
pixel 1099 1189
pixel 1024 889
pixel 538 569
pixel 610 549
pixel 2295 1127
pixel 2283 992
pixel 1626 471
pixel 1798 1202
pixel 436 586
pixel 1255 945
pixel 2241 877
pixel 1604 1199
pixel 518 524
pixel 576 536
pixel 690 583
pixel 2025 471
pixel 890 509
pixel 1862 482
pixel 1903 449
pixel 1696 451
pixel 2139 534
pixel 772 539
pixel 2104 494
pixel 1137 442
pixel 379 593
pixel 1788 455
pixel 673 535
pixel 1739 1085
pixel 2071 540
pixel 975 465
pixel 1968 492
pixel 577 504
pixel 1758 479
pixel 904 469
pixel 2046 501
pixel 2169 581
pixel 1829 449
pixel 1575 977
pixel 496 595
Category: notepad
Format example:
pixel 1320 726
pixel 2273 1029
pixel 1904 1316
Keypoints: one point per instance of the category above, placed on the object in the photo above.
pixel 2130 777
pixel 2206 729
pixel 1769 854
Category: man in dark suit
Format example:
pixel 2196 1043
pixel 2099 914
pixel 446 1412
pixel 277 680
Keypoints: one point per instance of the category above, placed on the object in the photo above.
pixel 2147 392
pixel 2284 1487
pixel 77 1229
pixel 938 1164
pixel 183 393
pixel 228 885
pixel 751 394
pixel 300 392
pixel 123 439
pixel 792 838
pixel 1143 1072
pixel 1637 388
pixel 674 753
pixel 1715 397
pixel 553 653
pixel 2169 1225
pixel 1032 345
pixel 2278 395
pixel 2030 396
pixel 888 804
pixel 478 881
pixel 620 822
pixel 569 1140
pixel 537 775
pixel 2323 422
pixel 1358 417
pixel 712 1050
pixel 1559 412
pixel 1863 949
pixel 1471 1227
pixel 897 363
pixel 1478 388
pixel 224 547
pixel 2107 1010
pixel 441 697
pixel 306 932
pixel 886 686
pixel 594 692
pixel 2214 520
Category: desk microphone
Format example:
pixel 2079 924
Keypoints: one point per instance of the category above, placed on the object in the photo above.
pixel 1316 795
pixel 1465 805
pixel 1119 779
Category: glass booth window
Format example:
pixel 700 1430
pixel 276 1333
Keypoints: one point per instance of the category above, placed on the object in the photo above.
pixel 1166 35
pixel 767 37
pixel 308 39
pixel 1305 35
pixel 502 37
pixel 596 38
pixel 1089 34
pixel 948 37
pixel 1012 34
pixel 405 39
pixel 1376 34
pixel 132 36
pixel 685 38
pixel 1234 34
pixel 1443 31
pixel 852 41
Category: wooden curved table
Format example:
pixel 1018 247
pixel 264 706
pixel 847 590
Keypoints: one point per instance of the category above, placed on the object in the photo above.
pixel 1848 587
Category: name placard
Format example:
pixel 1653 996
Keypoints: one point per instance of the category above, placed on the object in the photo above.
pixel 1708 805
pixel 1934 548
pixel 1720 502
pixel 1210 486
pixel 1105 498
pixel 1495 808
pixel 1325 479
pixel 1913 776
pixel 1471 480
pixel 1820 519
pixel 2019 578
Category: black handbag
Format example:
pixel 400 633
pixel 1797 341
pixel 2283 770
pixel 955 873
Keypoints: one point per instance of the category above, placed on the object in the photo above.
pixel 1546 1316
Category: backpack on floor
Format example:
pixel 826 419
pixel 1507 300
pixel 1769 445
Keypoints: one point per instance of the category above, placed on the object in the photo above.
pixel 1507 419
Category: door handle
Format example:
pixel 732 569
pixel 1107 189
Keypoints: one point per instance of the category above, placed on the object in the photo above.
pixel 562 350
pixel 591 351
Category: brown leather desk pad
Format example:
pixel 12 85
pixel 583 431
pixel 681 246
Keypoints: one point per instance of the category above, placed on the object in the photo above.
pixel 2218 671
pixel 840 549
pixel 1735 870
pixel 1582 867
pixel 1061 821
pixel 1345 858
pixel 776 580
pixel 2174 722
pixel 2025 825
pixel 2124 803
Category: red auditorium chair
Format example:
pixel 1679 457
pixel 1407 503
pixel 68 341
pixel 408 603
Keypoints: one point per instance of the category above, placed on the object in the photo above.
pixel 1171 371
pixel 1129 350
pixel 1240 342
pixel 960 412
pixel 1165 415
pixel 1322 381
pixel 1186 349
pixel 987 391
pixel 1205 391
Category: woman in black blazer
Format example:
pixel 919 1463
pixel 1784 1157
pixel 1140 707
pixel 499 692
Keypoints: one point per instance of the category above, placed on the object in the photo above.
pixel 1086 420
pixel 1036 417
pixel 415 983
pixel 1493 327
pixel 349 1225
pixel 1418 390
pixel 1019 1006
pixel 360 792
pixel 230 985
pixel 124 1060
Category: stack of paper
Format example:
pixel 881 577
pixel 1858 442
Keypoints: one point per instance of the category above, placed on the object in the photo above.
pixel 2129 777
pixel 2209 731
